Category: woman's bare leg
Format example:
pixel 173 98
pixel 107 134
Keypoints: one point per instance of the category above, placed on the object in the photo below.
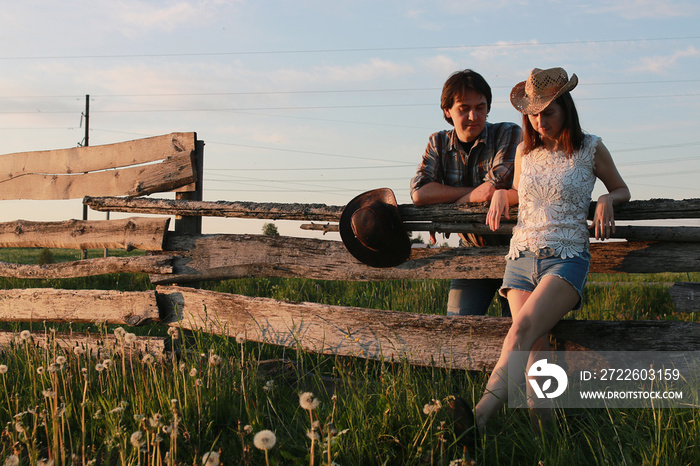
pixel 533 317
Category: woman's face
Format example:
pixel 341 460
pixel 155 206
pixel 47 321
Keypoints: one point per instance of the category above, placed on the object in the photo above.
pixel 549 122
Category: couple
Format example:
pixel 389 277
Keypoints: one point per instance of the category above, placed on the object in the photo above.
pixel 551 175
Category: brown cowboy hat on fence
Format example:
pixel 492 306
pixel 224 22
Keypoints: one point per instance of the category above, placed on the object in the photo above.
pixel 372 230
pixel 540 89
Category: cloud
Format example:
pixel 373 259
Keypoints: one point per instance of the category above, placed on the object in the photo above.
pixel 140 15
pixel 641 9
pixel 662 64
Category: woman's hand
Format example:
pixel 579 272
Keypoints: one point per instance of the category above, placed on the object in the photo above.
pixel 604 218
pixel 499 206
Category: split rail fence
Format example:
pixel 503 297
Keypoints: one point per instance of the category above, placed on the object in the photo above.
pixel 114 178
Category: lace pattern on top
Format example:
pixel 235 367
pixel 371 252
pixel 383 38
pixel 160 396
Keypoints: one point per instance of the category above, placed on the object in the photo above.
pixel 554 196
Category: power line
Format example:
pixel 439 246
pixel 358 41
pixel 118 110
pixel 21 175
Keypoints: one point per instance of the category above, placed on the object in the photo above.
pixel 350 50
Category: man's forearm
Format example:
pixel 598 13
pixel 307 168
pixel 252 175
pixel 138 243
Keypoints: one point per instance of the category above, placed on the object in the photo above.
pixel 438 193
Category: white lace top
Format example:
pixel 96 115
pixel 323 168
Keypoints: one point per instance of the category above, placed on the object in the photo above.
pixel 554 194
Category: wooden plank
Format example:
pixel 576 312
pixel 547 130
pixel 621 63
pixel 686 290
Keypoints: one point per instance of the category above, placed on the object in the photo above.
pixel 190 208
pixel 133 181
pixel 471 343
pixel 678 234
pixel 130 233
pixel 213 257
pixel 446 213
pixel 78 306
pixel 686 296
pixel 96 158
pixel 93 344
pixel 90 267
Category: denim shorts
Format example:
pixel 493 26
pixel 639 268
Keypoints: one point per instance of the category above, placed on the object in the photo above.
pixel 525 272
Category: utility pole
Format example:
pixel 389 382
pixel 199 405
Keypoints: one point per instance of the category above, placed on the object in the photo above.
pixel 86 142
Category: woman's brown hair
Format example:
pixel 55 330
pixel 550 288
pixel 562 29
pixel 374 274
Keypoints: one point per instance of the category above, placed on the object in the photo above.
pixel 571 136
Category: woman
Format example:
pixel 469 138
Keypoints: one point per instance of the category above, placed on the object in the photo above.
pixel 556 166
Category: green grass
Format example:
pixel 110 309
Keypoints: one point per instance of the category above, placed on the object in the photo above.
pixel 226 392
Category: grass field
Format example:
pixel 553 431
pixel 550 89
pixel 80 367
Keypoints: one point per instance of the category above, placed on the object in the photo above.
pixel 116 408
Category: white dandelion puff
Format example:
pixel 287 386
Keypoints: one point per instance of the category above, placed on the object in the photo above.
pixel 193 372
pixel 3 369
pixel 148 358
pixel 40 370
pixel 60 360
pixel 119 332
pixel 137 439
pixel 264 440
pixel 99 367
pixel 308 401
pixel 129 338
pixel 240 338
pixel 78 351
pixel 12 460
pixel 214 360
pixel 210 458
pixel 25 335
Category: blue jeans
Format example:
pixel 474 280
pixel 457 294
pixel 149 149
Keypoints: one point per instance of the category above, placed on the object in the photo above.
pixel 472 297
pixel 528 270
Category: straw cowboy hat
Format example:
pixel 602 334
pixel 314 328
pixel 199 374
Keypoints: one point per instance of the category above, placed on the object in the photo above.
pixel 372 230
pixel 541 88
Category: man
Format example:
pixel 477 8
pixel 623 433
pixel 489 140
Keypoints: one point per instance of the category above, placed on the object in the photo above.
pixel 467 164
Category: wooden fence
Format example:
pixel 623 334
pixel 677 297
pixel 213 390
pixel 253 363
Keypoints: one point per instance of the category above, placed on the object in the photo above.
pixel 183 255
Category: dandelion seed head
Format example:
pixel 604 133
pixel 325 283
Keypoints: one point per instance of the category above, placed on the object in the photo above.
pixel 19 427
pixel 240 338
pixel 119 332
pixel 264 440
pixel 60 359
pixel 3 369
pixel 78 350
pixel 137 439
pixel 198 382
pixel 214 360
pixel 47 393
pixel 155 421
pixel 308 401
pixel 193 372
pixel 210 458
pixel 25 335
pixel 40 370
pixel 313 434
pixel 107 362
pixel 182 366
pixel 248 429
pixel 148 358
pixel 174 333
pixel 53 368
pixel 129 338
pixel 12 460
pixel 99 367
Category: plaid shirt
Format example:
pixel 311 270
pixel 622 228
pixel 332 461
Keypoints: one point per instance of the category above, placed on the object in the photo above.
pixel 491 158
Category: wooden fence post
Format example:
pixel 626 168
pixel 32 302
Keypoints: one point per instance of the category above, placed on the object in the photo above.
pixel 192 225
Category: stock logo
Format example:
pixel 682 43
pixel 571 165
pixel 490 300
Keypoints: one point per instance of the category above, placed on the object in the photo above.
pixel 546 372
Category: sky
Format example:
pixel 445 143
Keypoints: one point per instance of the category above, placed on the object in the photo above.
pixel 318 101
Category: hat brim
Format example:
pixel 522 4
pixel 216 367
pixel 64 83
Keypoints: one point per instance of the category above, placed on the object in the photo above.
pixel 532 106
pixel 399 244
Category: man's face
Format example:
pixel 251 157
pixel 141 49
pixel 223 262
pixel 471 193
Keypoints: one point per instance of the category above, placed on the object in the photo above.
pixel 468 114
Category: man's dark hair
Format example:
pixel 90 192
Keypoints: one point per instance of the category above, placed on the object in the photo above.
pixel 460 82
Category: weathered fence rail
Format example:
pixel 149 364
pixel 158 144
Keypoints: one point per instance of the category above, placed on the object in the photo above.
pixel 185 255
